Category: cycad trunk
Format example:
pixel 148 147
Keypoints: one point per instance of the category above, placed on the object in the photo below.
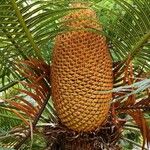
pixel 83 144
pixel 76 144
pixel 104 138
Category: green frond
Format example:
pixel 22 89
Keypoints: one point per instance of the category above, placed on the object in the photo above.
pixel 8 119
pixel 130 35
pixel 25 30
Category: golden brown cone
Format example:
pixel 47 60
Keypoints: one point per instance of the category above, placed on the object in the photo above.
pixel 81 70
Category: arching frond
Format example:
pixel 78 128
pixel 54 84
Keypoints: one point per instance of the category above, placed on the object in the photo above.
pixel 34 95
pixel 131 33
pixel 26 30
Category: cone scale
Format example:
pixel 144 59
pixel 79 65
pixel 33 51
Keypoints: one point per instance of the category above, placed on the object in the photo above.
pixel 81 70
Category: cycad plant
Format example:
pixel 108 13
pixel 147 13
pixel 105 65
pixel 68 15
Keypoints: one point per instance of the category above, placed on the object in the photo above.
pixel 75 75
